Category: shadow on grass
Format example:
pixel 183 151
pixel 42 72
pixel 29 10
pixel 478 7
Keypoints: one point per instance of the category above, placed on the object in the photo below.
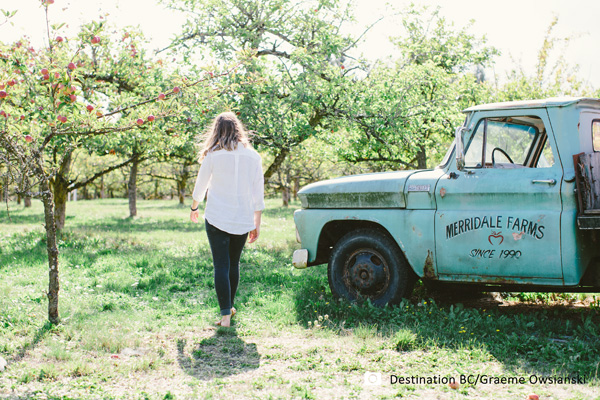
pixel 19 218
pixel 218 356
pixel 41 333
pixel 553 339
pixel 136 225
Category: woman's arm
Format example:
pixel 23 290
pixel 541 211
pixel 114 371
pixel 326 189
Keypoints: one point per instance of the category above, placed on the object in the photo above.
pixel 195 214
pixel 254 234
pixel 202 182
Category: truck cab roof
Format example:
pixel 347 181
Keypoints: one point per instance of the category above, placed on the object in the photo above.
pixel 543 103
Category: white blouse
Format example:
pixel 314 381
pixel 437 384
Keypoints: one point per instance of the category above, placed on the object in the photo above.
pixel 234 180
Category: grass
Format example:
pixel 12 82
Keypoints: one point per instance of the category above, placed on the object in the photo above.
pixel 137 306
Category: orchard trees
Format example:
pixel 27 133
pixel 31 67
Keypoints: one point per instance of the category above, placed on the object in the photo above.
pixel 400 113
pixel 67 96
pixel 301 67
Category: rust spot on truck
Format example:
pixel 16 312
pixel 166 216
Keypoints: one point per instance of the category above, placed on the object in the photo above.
pixel 504 281
pixel 428 270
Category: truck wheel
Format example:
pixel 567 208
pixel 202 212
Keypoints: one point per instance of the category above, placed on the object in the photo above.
pixel 367 264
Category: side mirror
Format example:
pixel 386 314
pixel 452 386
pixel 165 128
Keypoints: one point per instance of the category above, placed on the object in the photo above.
pixel 460 150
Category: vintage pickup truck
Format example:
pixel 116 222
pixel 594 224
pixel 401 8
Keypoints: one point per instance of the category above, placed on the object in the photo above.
pixel 514 205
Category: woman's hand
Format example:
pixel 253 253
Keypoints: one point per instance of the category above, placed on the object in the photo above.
pixel 195 213
pixel 253 235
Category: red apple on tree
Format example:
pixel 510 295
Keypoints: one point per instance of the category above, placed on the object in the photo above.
pixel 44 71
pixel 139 121
pixel 3 94
pixel 59 39
pixel 176 89
pixel 150 118
pixel 71 66
pixel 28 138
pixel 95 40
pixel 11 82
pixel 161 96
pixel 90 107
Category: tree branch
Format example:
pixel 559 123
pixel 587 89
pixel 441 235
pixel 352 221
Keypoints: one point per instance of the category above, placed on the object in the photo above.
pixel 103 172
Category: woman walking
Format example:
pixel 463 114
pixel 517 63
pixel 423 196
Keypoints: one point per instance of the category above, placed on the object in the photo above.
pixel 231 172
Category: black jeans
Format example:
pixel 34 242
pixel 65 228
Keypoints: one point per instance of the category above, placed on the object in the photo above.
pixel 226 250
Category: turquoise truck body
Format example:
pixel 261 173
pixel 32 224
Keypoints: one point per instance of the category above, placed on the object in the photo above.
pixel 509 218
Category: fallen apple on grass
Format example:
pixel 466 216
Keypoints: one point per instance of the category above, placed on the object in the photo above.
pixel 453 384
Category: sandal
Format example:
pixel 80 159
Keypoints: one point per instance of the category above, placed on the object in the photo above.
pixel 233 312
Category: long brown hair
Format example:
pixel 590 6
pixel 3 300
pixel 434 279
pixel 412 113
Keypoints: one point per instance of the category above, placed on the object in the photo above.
pixel 225 132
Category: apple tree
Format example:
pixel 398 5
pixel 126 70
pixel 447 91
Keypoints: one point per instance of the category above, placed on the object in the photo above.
pixel 65 97
pixel 402 111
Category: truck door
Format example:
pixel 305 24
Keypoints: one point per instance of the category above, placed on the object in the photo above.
pixel 499 219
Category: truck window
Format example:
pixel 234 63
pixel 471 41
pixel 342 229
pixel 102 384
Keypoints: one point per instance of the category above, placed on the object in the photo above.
pixel 509 142
pixel 596 134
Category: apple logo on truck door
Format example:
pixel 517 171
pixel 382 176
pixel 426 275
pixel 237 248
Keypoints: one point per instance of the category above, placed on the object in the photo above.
pixel 496 238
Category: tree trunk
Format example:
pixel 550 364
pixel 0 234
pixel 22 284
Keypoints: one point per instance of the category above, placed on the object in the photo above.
pixel 60 186
pixel 296 187
pixel 27 199
pixel 422 158
pixel 279 159
pixel 52 248
pixel 102 191
pixel 132 188
pixel 181 191
pixel 285 196
pixel 181 183
pixel 60 203
pixel 18 199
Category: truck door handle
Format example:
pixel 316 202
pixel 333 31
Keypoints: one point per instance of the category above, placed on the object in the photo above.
pixel 547 181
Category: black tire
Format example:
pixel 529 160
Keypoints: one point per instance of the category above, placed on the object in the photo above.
pixel 368 264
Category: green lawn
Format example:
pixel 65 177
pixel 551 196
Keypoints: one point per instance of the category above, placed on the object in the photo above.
pixel 138 305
